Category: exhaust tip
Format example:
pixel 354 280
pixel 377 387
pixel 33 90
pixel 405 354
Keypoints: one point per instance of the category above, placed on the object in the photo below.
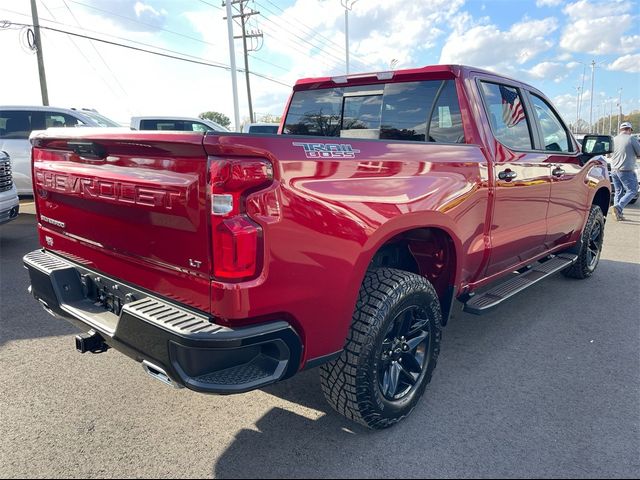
pixel 158 373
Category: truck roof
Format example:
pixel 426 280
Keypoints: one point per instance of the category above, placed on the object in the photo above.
pixel 412 74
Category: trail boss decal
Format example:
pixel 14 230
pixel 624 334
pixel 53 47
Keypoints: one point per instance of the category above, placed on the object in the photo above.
pixel 327 150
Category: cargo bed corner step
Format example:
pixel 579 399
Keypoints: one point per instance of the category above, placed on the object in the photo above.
pixel 487 301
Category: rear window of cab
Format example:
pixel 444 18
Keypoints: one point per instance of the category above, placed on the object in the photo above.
pixel 427 111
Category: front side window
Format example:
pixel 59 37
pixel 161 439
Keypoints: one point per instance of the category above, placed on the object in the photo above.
pixel 507 116
pixel 555 135
pixel 57 120
pixel 198 127
pixel 426 111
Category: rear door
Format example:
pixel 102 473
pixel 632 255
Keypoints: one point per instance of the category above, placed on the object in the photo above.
pixel 522 178
pixel 133 206
pixel 568 204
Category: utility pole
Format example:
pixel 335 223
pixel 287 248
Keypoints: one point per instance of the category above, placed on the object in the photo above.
pixel 38 46
pixel 584 69
pixel 348 6
pixel 577 110
pixel 243 15
pixel 610 113
pixel 593 74
pixel 234 73
pixel 619 108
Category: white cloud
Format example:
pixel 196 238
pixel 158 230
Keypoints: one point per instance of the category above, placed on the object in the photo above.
pixel 142 9
pixel 553 71
pixel 487 46
pixel 548 3
pixel 626 63
pixel 307 39
pixel 598 28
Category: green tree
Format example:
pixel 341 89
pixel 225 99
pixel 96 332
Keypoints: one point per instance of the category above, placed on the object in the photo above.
pixel 270 118
pixel 219 118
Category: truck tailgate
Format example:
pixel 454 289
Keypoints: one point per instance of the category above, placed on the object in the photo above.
pixel 133 206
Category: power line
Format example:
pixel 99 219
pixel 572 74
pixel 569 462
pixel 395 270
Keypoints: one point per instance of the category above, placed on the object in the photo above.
pixel 198 62
pixel 81 52
pixel 288 28
pixel 290 32
pixel 210 4
pixel 132 41
pixel 195 39
pixel 284 69
pixel 95 49
pixel 335 45
pixel 295 47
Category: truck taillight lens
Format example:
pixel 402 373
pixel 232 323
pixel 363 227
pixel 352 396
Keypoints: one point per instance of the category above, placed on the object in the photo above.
pixel 236 238
pixel 235 250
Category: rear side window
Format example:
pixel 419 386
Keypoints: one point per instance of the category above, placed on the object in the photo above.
pixel 415 111
pixel 507 115
pixel 264 129
pixel 161 125
pixel 15 124
pixel 554 133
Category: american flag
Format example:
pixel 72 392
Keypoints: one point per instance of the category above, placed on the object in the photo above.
pixel 512 111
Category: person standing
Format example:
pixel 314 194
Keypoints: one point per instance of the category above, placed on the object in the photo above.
pixel 626 149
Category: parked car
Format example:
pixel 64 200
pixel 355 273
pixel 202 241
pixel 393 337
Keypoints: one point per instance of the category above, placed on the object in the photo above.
pixel 182 124
pixel 9 203
pixel 262 127
pixel 17 123
pixel 225 262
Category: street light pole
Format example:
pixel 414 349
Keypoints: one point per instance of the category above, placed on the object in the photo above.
pixel 584 70
pixel 593 74
pixel 577 110
pixel 619 108
pixel 348 6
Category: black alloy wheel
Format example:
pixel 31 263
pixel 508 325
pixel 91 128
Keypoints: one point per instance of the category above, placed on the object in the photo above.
pixel 590 246
pixel 391 350
pixel 405 353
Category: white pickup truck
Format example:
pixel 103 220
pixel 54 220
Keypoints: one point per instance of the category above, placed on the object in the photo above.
pixel 9 203
pixel 182 124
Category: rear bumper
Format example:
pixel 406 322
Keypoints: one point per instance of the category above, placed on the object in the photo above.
pixel 8 214
pixel 193 351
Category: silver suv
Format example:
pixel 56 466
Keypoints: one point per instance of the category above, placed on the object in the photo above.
pixel 9 204
pixel 17 123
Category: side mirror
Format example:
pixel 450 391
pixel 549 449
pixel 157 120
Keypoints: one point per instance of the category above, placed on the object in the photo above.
pixel 593 145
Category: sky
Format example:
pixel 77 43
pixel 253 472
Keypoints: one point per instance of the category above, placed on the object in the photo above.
pixel 549 44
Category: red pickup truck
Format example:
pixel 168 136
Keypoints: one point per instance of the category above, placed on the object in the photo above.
pixel 225 262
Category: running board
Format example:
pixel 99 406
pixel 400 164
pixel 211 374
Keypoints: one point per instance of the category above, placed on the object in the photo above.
pixel 484 302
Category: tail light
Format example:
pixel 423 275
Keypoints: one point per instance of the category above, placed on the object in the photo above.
pixel 236 238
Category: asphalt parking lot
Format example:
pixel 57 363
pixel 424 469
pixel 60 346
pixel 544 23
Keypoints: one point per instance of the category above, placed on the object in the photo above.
pixel 547 386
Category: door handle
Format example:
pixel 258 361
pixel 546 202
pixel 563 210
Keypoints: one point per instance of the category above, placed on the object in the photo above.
pixel 507 175
pixel 558 172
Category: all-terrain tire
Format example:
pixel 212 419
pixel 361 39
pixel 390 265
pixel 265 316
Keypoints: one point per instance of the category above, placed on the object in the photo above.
pixel 358 384
pixel 592 240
